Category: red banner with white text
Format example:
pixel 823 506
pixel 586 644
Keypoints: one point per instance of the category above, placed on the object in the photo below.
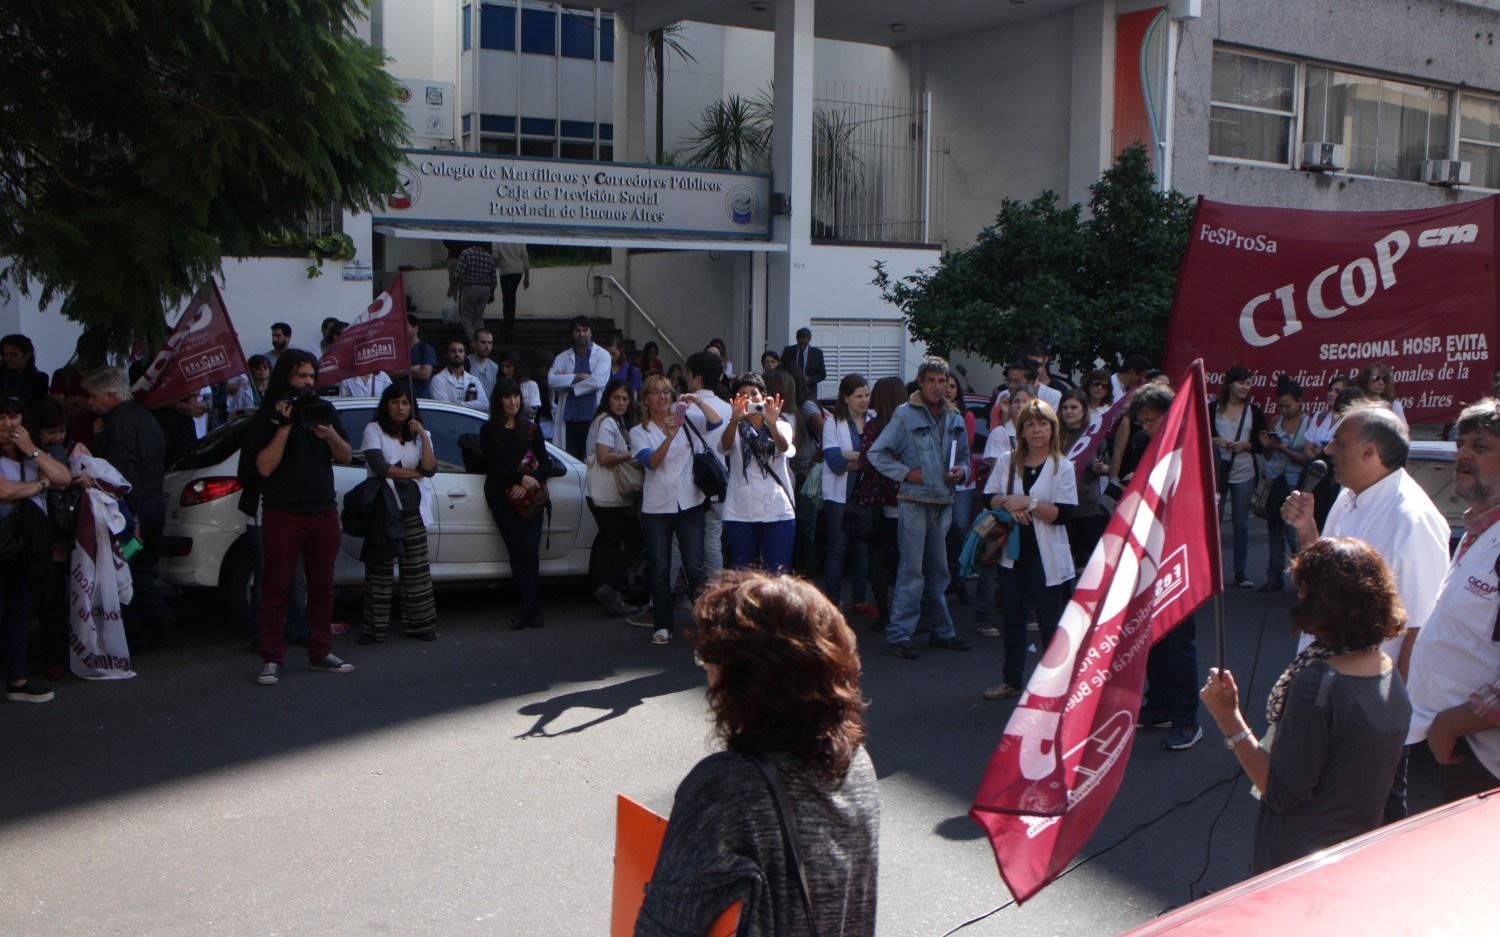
pixel 1315 294
pixel 374 341
pixel 1065 748
pixel 203 349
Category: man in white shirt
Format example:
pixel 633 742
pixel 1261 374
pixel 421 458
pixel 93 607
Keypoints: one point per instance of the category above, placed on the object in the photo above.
pixel 703 375
pixel 365 385
pixel 453 384
pixel 575 379
pixel 1385 507
pixel 1455 666
pixel 481 365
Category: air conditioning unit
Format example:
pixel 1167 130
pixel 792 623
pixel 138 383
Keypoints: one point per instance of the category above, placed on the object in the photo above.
pixel 1446 172
pixel 1323 157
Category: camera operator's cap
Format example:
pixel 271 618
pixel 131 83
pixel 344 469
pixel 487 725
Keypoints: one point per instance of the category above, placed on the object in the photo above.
pixel 1237 373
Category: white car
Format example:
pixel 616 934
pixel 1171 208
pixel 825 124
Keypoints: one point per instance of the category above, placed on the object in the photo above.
pixel 204 545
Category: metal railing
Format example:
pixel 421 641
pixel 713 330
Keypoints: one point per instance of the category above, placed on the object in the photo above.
pixel 873 166
pixel 609 278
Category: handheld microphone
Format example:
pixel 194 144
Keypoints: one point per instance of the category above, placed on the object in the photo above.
pixel 1312 475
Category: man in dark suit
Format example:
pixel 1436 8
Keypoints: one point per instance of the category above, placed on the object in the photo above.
pixel 809 360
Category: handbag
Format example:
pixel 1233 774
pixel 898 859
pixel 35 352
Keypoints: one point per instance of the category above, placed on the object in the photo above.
pixel 709 473
pixel 527 502
pixel 13 543
pixel 862 520
pixel 1223 465
pixel 812 486
pixel 994 535
pixel 788 834
pixel 629 478
pixel 1261 497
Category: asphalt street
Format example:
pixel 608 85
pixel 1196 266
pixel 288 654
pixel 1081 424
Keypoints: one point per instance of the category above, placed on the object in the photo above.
pixel 467 786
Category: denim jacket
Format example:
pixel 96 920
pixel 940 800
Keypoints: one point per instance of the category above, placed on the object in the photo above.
pixel 914 438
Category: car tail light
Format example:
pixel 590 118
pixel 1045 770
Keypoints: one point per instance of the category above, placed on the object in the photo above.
pixel 204 490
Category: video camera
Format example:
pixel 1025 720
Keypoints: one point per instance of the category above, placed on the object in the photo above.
pixel 310 410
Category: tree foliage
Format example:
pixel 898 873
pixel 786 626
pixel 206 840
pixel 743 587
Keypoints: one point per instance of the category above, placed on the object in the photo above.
pixel 1087 288
pixel 145 140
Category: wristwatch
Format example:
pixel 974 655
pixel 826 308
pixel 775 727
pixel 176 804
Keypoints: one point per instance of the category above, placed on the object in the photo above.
pixel 1236 739
pixel 35 454
pixel 1031 505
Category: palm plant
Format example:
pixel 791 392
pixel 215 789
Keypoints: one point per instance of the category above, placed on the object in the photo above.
pixel 660 43
pixel 734 133
pixel 838 170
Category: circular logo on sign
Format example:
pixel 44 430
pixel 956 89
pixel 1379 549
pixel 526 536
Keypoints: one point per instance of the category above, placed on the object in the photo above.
pixel 408 188
pixel 403 94
pixel 739 203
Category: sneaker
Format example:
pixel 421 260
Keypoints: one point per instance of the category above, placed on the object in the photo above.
pixel 332 664
pixel 28 692
pixel 661 636
pixel 1244 583
pixel 986 630
pixel 866 609
pixel 1001 690
pixel 1152 719
pixel 643 618
pixel 270 675
pixel 1182 738
pixel 951 643
pixel 904 650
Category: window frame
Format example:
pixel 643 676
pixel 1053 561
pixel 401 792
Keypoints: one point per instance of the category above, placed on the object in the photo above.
pixel 1294 115
pixel 1459 140
pixel 1448 90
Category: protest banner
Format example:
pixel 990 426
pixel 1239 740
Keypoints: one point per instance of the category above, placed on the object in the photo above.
pixel 1315 295
pixel 374 341
pixel 202 349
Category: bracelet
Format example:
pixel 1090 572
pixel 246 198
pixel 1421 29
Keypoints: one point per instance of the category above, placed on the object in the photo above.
pixel 1236 739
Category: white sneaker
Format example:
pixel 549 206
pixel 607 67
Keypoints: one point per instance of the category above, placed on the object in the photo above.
pixel 661 636
pixel 270 675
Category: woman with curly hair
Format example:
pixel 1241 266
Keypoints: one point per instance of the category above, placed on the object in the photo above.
pixel 783 685
pixel 1375 380
pixel 1336 718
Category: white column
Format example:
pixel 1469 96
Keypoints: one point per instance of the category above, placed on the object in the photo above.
pixel 630 125
pixel 791 167
pixel 1092 97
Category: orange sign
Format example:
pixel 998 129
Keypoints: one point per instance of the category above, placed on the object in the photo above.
pixel 638 836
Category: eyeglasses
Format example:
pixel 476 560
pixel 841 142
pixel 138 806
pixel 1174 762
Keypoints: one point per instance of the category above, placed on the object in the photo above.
pixel 659 390
pixel 1098 384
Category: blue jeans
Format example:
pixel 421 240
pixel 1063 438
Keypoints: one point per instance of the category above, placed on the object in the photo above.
pixel 958 531
pixel 1021 585
pixel 767 545
pixel 1283 538
pixel 1238 496
pixel 922 577
pixel 1172 676
pixel 660 529
pixel 845 553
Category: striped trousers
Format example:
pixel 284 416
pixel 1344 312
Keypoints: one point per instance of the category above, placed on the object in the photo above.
pixel 418 610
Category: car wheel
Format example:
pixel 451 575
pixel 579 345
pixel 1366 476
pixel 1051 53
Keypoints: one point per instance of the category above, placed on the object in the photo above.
pixel 237 584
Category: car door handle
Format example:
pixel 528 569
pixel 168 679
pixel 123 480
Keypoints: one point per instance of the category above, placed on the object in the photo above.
pixel 457 493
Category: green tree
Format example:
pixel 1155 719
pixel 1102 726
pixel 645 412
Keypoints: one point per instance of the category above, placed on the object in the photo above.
pixel 1088 288
pixel 144 141
pixel 660 44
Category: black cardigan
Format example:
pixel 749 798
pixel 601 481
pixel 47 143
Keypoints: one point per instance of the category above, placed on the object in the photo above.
pixel 503 450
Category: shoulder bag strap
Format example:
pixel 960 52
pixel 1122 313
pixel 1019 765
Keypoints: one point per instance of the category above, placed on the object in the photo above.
pixel 688 424
pixel 788 833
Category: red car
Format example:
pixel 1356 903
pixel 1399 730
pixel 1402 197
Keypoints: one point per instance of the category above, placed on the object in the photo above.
pixel 1429 874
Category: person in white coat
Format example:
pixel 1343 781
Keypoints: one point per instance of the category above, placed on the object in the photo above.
pixel 1035 483
pixel 760 514
pixel 576 378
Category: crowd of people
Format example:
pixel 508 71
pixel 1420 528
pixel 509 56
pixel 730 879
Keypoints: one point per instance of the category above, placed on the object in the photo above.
pixel 871 495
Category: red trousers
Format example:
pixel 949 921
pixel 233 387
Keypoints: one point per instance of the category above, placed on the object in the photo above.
pixel 287 536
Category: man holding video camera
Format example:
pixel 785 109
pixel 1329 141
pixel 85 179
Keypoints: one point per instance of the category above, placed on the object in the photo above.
pixel 294 438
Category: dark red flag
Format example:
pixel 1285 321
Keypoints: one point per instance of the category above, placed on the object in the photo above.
pixel 1320 294
pixel 375 341
pixel 203 349
pixel 1064 751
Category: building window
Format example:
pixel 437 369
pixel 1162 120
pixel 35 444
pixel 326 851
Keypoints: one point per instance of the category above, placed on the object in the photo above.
pixel 468 27
pixel 1252 108
pixel 544 148
pixel 578 34
pixel 1479 139
pixel 497 27
pixel 606 38
pixel 497 145
pixel 1388 128
pixel 575 149
pixel 539 32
